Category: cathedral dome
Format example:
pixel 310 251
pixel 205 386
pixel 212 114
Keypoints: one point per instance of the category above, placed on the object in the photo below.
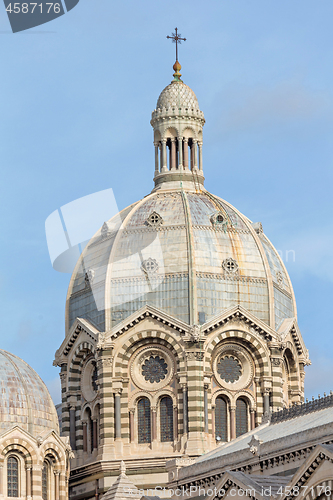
pixel 185 252
pixel 180 249
pixel 25 400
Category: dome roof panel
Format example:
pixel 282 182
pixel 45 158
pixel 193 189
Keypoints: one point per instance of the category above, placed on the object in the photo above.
pixel 25 400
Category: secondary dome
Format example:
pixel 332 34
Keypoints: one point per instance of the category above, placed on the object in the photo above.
pixel 177 95
pixel 25 400
pixel 187 253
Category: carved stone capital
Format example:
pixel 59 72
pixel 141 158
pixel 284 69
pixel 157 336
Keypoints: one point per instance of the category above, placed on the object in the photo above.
pixel 198 355
pixel 276 361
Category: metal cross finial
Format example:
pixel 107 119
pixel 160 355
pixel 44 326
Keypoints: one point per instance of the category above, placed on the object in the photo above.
pixel 176 38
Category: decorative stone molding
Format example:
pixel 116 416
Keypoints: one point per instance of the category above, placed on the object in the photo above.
pixel 242 357
pixel 254 444
pixel 152 367
pixel 154 220
pixel 198 355
pixel 149 266
pixel 230 266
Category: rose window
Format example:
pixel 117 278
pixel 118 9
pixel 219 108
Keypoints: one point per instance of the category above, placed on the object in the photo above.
pixel 154 369
pixel 229 369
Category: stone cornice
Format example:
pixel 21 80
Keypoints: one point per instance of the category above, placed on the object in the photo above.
pixel 238 313
pixel 80 325
pixel 149 312
pixel 271 453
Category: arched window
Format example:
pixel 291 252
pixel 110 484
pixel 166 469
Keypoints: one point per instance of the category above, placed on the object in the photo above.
pixel 241 417
pixel 12 477
pixel 144 432
pixel 45 480
pixel 166 419
pixel 221 418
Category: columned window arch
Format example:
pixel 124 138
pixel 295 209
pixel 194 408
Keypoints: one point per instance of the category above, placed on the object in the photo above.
pixel 166 419
pixel 12 477
pixel 221 418
pixel 144 424
pixel 242 419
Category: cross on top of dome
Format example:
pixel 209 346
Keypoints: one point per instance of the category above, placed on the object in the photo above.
pixel 176 38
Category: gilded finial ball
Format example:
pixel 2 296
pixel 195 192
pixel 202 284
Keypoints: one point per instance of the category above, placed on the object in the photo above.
pixel 177 66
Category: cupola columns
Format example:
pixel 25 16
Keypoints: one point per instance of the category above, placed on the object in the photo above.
pixel 177 122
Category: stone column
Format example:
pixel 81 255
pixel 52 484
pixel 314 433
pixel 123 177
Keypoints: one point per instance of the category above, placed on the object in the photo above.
pixel 106 417
pixel 266 401
pixel 213 421
pixel 185 142
pixel 156 159
pixel 153 424
pixel 117 409
pixel 57 484
pixel 95 440
pixel 84 427
pixel 195 154
pixel 173 154
pixel 185 412
pixel 252 421
pixel 175 423
pixel 200 156
pixel 72 436
pixel 206 407
pixel 232 422
pixel 180 152
pixel 131 415
pixel 164 157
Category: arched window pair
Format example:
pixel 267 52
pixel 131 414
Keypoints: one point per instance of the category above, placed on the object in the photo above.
pixel 145 420
pixel 13 478
pixel 223 418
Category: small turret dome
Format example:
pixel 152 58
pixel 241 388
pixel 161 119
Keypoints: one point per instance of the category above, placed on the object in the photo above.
pixel 25 400
pixel 177 95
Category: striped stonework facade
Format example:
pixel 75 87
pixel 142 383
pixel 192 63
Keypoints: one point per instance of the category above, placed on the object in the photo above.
pixel 113 384
pixel 31 455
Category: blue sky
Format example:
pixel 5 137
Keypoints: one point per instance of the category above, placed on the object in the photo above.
pixel 76 98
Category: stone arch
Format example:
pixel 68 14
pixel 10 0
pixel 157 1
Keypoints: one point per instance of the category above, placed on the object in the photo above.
pixel 143 338
pixel 259 352
pixel 171 132
pixel 189 132
pixel 80 354
pixel 26 451
pixel 248 396
pixel 52 450
pixel 85 407
pixel 138 395
pixel 162 393
pixel 221 392
pixel 290 360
